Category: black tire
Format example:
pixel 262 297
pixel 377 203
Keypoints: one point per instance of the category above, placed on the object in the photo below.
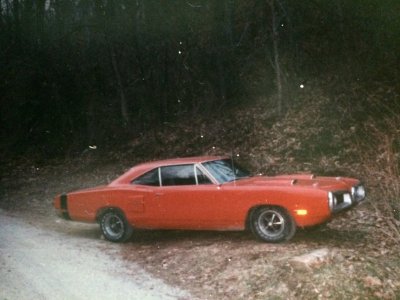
pixel 114 226
pixel 272 224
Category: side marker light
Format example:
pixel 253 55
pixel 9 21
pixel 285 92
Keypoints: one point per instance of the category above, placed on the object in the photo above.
pixel 301 212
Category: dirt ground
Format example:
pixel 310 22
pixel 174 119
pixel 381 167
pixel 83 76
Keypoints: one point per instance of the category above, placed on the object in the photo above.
pixel 46 262
pixel 178 264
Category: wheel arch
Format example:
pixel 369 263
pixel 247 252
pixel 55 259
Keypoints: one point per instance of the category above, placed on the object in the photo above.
pixel 101 211
pixel 253 209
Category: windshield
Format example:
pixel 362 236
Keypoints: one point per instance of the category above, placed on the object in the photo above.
pixel 225 170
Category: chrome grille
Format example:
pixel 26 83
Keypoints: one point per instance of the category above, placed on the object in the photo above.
pixel 339 200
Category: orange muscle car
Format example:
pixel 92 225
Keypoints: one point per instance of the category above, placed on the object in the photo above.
pixel 209 193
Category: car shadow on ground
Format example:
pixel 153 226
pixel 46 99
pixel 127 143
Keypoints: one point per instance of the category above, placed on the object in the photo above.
pixel 147 237
pixel 332 236
pixel 328 236
pixel 321 236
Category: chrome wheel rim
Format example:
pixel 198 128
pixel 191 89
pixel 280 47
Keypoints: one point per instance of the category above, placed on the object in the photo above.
pixel 113 226
pixel 271 223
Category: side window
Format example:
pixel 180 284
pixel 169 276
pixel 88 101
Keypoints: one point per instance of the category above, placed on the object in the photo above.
pixel 202 178
pixel 178 175
pixel 149 178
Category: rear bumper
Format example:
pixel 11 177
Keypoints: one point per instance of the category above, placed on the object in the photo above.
pixel 61 206
pixel 63 215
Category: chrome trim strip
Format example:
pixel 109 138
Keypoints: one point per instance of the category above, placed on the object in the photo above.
pixel 159 176
pixel 331 201
pixel 195 174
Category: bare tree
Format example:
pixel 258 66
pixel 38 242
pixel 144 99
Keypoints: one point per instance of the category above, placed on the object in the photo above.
pixel 123 101
pixel 275 23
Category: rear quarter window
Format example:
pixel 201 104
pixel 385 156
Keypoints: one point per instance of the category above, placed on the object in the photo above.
pixel 150 178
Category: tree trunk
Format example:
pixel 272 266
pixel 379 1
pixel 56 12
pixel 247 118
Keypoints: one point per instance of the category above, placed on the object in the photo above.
pixel 17 23
pixel 40 19
pixel 221 78
pixel 276 59
pixel 228 16
pixel 123 102
pixel 139 22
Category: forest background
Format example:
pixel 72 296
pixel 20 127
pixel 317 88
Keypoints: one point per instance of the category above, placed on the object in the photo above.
pixel 100 72
pixel 287 85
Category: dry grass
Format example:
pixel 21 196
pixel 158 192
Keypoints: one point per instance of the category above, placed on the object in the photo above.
pixel 382 170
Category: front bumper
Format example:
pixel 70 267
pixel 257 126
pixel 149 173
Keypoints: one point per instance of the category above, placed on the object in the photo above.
pixel 343 200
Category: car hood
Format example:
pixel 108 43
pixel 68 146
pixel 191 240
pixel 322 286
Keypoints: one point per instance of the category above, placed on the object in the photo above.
pixel 299 180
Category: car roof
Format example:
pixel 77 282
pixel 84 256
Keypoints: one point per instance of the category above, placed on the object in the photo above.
pixel 145 167
pixel 182 160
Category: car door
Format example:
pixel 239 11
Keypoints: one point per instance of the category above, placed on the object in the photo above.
pixel 187 199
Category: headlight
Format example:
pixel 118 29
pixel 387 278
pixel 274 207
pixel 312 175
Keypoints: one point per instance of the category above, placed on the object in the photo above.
pixel 358 193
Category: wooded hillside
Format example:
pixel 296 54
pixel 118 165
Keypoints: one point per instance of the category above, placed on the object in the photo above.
pixel 103 72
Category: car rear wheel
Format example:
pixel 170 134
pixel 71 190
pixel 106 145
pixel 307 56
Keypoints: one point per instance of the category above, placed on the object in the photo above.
pixel 114 226
pixel 272 224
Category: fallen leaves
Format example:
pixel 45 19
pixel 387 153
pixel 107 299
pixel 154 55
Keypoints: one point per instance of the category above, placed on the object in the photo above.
pixel 372 282
pixel 311 260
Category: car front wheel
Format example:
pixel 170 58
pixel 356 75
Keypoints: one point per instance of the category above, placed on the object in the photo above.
pixel 272 224
pixel 114 226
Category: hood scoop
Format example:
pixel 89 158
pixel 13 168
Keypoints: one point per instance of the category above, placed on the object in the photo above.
pixel 298 176
pixel 296 181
